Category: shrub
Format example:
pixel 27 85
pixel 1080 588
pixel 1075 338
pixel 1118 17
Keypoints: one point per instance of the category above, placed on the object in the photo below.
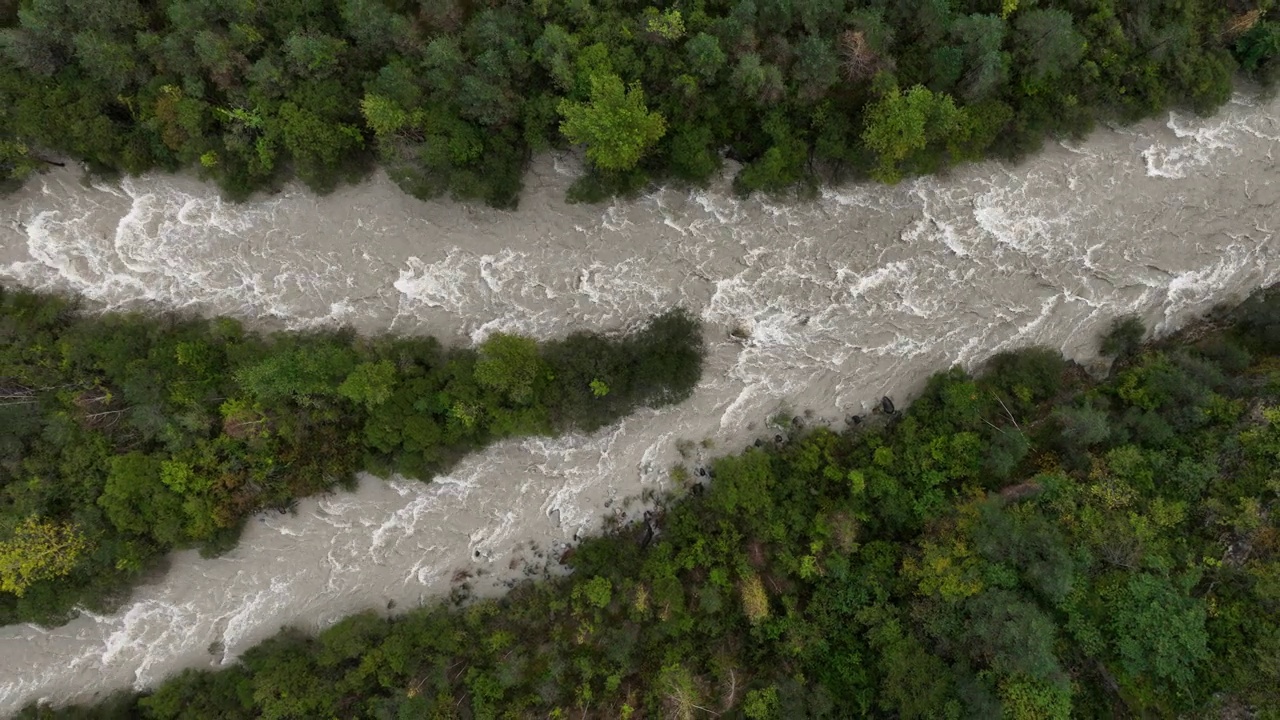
pixel 1123 338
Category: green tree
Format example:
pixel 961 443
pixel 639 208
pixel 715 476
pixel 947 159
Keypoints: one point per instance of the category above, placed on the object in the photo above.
pixel 444 63
pixel 782 165
pixel 1159 630
pixel 383 115
pixel 819 16
pixel 1124 337
pixel 597 592
pixel 1012 637
pixel 555 51
pixel 927 20
pixel 107 60
pixel 1048 44
pixel 901 125
pixel 916 683
pixel 986 66
pixel 317 144
pixel 743 484
pixel 615 126
pixel 286 686
pixel 757 80
pixel 314 54
pixel 16 163
pixel 761 704
pixel 305 375
pixel 370 383
pixel 692 153
pixel 510 365
pixel 1259 47
pixel 1032 699
pixel 40 549
pixel 666 24
pixel 137 501
pixel 1024 378
pixel 816 68
pixel 375 27
pixel 704 55
pixel 1082 426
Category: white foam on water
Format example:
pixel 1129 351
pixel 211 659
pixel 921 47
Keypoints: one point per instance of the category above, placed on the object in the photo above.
pixel 438 285
pixel 1199 140
pixel 243 625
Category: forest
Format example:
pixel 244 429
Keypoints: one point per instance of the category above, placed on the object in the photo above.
pixel 125 436
pixel 1030 543
pixel 453 97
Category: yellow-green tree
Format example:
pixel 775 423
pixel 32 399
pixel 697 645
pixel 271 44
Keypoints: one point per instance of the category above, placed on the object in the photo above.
pixel 755 601
pixel 509 364
pixel 901 125
pixel 39 550
pixel 16 161
pixel 615 126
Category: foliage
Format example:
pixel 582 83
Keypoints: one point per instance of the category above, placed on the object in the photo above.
pixel 125 436
pixel 1259 48
pixel 455 97
pixel 1159 631
pixel 38 550
pixel 901 125
pixel 16 163
pixel 1124 337
pixel 510 365
pixel 616 126
pixel 881 572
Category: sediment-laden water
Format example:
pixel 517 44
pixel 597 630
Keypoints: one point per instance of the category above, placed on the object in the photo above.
pixel 860 293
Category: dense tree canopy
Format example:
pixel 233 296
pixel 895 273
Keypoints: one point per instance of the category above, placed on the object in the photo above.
pixel 1028 544
pixel 123 436
pixel 454 97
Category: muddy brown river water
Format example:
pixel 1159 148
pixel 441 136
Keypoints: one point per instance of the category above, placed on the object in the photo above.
pixel 862 292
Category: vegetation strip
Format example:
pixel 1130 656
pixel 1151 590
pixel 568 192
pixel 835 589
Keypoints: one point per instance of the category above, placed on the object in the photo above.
pixel 454 96
pixel 124 436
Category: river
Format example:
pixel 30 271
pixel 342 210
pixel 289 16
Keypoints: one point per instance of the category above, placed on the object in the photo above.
pixel 862 292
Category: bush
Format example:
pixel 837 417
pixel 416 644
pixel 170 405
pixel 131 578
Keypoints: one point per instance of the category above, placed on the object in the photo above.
pixel 1123 338
pixel 1258 322
pixel 1081 426
pixel 1024 378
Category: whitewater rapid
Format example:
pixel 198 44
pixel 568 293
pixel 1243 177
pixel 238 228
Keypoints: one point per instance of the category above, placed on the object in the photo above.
pixel 862 292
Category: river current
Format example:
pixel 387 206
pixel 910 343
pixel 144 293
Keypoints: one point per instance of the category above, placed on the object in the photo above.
pixel 821 306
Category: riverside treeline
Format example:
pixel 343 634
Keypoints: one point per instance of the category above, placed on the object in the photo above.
pixel 1028 544
pixel 124 436
pixel 454 96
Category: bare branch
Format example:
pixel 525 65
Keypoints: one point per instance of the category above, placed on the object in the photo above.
pixel 860 61
pixel 1006 410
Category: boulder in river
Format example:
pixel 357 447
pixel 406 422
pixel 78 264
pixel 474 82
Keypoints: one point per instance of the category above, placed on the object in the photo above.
pixel 886 405
pixel 649 530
